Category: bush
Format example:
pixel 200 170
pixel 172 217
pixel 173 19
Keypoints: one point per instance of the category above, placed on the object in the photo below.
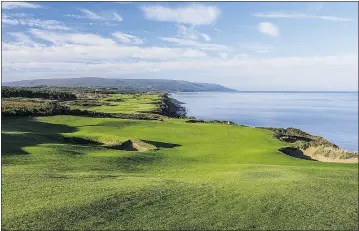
pixel 27 92
pixel 212 121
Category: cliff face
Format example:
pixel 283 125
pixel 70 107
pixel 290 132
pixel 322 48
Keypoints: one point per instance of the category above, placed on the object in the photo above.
pixel 171 108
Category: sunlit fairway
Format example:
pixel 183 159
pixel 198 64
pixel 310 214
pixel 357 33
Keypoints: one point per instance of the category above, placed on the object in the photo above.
pixel 65 172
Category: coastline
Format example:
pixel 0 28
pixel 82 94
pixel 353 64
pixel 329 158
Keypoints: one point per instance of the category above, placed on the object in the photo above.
pixel 300 144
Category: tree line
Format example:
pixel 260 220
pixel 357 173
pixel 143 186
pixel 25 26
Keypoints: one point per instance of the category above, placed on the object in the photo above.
pixel 24 92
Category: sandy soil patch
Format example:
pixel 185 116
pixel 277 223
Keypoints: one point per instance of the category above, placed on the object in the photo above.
pixel 311 150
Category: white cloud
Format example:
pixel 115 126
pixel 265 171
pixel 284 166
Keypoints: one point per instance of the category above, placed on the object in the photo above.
pixel 187 32
pixel 71 38
pixel 13 53
pixel 300 16
pixel 91 15
pixel 216 29
pixel 196 14
pixel 18 15
pixel 84 54
pixel 268 28
pixel 23 39
pixel 191 33
pixel 31 22
pixel 13 5
pixel 88 14
pixel 191 43
pixel 75 16
pixel 298 73
pixel 77 47
pixel 127 38
pixel 117 17
pixel 206 37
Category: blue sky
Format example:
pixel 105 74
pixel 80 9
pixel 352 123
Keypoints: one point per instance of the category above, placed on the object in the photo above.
pixel 244 45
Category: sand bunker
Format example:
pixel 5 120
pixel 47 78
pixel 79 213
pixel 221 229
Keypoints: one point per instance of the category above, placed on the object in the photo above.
pixel 311 151
pixel 142 145
pixel 136 145
pixel 310 154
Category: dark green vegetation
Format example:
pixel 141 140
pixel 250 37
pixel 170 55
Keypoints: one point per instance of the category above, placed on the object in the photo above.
pixel 299 137
pixel 75 172
pixel 31 107
pixel 7 92
pixel 191 120
pixel 161 85
pixel 99 103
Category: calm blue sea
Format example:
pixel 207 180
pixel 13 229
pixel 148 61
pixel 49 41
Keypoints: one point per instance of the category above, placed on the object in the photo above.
pixel 333 115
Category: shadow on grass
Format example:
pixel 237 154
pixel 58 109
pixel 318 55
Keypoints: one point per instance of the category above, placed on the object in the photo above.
pixel 18 133
pixel 115 124
pixel 117 211
pixel 295 152
pixel 29 124
pixel 162 144
pixel 79 140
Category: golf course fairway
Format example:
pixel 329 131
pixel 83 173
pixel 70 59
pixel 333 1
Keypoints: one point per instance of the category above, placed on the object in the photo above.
pixel 69 172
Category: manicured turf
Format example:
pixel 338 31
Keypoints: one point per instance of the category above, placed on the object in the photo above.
pixel 60 172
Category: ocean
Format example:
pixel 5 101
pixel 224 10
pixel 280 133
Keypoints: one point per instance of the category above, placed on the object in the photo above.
pixel 332 115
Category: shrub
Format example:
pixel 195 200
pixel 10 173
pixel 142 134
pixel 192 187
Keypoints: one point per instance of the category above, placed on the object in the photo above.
pixel 28 92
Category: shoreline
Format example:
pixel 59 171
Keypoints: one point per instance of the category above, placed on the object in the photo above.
pixel 309 146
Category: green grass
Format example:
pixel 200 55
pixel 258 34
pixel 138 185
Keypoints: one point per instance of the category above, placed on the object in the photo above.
pixel 120 103
pixel 60 172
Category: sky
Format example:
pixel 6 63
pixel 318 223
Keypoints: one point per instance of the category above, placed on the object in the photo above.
pixel 242 45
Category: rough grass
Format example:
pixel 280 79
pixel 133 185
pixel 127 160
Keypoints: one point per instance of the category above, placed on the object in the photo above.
pixel 333 152
pixel 118 103
pixel 302 142
pixel 203 176
pixel 9 104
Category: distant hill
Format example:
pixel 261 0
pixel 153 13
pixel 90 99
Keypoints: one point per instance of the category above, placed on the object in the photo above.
pixel 163 85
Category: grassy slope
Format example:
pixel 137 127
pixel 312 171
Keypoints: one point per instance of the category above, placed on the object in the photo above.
pixel 58 172
pixel 208 176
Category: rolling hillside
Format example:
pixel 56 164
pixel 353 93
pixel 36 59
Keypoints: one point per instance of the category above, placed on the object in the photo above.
pixel 82 173
pixel 162 85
